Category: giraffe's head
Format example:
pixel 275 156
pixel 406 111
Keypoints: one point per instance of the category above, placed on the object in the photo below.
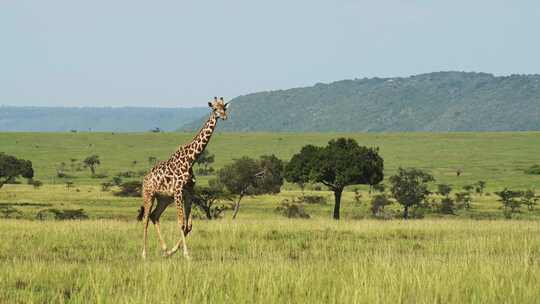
pixel 219 107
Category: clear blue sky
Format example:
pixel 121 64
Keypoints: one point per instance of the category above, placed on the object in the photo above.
pixel 180 53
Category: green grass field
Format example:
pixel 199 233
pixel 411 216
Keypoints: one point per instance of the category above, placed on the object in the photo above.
pixel 263 257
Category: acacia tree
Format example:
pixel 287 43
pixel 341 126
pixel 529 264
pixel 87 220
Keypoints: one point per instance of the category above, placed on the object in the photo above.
pixel 298 169
pixel 207 199
pixel 247 176
pixel 447 203
pixel 529 199
pixel 339 164
pixel 12 167
pixel 91 162
pixel 510 200
pixel 205 159
pixel 410 188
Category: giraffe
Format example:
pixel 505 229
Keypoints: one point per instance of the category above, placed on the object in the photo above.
pixel 172 180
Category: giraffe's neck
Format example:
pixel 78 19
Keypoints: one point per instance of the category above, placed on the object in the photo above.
pixel 199 142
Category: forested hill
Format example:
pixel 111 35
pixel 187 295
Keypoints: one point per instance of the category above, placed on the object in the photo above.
pixel 52 119
pixel 442 101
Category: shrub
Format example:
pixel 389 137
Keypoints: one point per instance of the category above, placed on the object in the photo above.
pixel 357 196
pixel 510 201
pixel 106 186
pixel 378 202
pixel 464 199
pixel 313 199
pixel 292 209
pixel 131 189
pixel 35 183
pixel 447 205
pixel 66 214
pixel 534 169
pixel 529 199
pixel 117 181
pixel 100 175
pixel 9 212
pixel 62 174
pixel 127 174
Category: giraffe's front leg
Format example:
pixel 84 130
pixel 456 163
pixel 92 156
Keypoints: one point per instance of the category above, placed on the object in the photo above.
pixel 178 200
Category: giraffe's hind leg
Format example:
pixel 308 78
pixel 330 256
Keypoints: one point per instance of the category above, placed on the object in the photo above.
pixel 148 202
pixel 162 203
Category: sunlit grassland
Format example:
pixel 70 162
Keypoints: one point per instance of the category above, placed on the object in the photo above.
pixel 263 257
pixel 274 261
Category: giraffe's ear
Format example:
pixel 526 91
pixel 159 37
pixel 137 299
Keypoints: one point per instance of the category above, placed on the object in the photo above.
pixel 210 104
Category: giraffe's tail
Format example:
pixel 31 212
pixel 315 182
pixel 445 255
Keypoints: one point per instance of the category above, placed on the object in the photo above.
pixel 141 214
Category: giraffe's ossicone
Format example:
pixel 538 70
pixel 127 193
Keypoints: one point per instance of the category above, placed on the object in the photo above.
pixel 172 180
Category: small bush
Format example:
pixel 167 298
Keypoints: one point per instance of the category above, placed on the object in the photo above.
pixel 127 174
pixel 131 189
pixel 106 186
pixel 447 205
pixel 9 212
pixel 66 214
pixel 357 196
pixel 62 174
pixel 35 183
pixel 117 181
pixel 292 209
pixel 534 169
pixel 313 199
pixel 100 175
pixel 378 202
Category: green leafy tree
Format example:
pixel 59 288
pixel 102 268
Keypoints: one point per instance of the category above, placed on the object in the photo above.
pixel 91 162
pixel 468 188
pixel 380 187
pixel 410 188
pixel 447 203
pixel 444 189
pixel 12 167
pixel 378 202
pixel 510 201
pixel 529 199
pixel 339 164
pixel 464 199
pixel 479 187
pixel 247 176
pixel 272 175
pixel 205 159
pixel 298 169
pixel 208 199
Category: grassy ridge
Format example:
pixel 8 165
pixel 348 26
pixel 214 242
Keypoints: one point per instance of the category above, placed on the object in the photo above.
pixel 274 261
pixel 498 158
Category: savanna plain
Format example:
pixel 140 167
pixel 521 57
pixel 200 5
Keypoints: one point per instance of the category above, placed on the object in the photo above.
pixel 473 256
